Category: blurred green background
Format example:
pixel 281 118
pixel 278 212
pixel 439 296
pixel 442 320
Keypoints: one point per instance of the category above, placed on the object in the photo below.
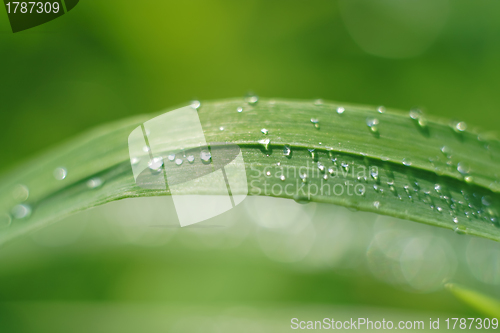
pixel 107 60
pixel 110 59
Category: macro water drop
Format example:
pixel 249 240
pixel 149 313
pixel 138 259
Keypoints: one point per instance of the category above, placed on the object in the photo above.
pixel 21 211
pixel 60 173
pixel 463 168
pixel 205 156
pixel 460 229
pixel 287 150
pixel 252 99
pixel 265 143
pixel 458 126
pixel 20 193
pixel 345 166
pixel 469 179
pixel 94 183
pixel 391 186
pixel 303 176
pixel 446 151
pixel 315 122
pixel 311 151
pixel 156 164
pixel 486 200
pixel 195 104
pixel 415 114
pixel 372 124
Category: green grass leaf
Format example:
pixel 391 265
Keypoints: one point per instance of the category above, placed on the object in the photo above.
pixel 429 170
pixel 480 302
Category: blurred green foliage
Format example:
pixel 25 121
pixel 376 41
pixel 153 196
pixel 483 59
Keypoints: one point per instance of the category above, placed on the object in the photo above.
pixel 110 59
pixel 107 60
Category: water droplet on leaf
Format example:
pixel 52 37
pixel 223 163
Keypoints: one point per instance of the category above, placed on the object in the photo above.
pixel 460 229
pixel 372 124
pixel 155 164
pixel 415 114
pixel 265 143
pixel 94 183
pixel 463 168
pixel 459 126
pixel 303 176
pixel 407 162
pixel 60 173
pixel 315 122
pixel 311 151
pixel 21 211
pixel 20 193
pixel 205 156
pixel 252 100
pixel 287 150
pixel 195 104
pixel 345 166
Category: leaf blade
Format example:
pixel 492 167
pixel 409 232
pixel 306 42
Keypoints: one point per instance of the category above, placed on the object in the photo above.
pixel 408 156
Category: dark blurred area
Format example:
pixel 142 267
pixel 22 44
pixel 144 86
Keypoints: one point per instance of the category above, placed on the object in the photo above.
pixel 107 60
